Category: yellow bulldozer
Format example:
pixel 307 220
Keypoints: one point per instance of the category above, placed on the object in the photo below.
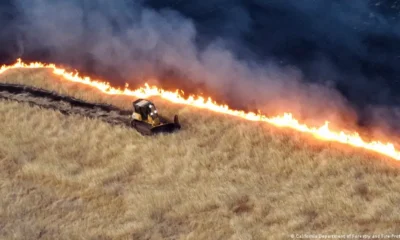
pixel 147 121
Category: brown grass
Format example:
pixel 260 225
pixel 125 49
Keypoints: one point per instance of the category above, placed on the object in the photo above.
pixel 219 178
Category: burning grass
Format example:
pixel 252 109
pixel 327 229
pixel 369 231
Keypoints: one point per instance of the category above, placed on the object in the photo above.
pixel 219 178
pixel 287 120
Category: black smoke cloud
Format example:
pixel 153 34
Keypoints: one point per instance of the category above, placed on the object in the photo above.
pixel 335 59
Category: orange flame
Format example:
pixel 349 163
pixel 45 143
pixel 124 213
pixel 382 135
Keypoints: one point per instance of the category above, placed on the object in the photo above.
pixel 286 120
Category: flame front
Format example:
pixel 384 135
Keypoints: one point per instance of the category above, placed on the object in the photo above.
pixel 286 120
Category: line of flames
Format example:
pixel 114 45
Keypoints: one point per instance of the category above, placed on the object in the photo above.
pixel 285 120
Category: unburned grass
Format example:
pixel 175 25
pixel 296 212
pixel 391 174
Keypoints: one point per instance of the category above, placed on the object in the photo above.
pixel 68 177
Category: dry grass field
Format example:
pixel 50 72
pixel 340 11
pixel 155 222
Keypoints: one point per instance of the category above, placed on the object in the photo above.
pixel 68 177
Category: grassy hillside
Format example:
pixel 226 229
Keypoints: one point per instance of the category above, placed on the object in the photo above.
pixel 219 178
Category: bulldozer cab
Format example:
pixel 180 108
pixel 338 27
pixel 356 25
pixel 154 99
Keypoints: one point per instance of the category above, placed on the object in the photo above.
pixel 145 108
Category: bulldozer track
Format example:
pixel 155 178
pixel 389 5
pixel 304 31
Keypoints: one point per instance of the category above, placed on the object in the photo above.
pixel 64 104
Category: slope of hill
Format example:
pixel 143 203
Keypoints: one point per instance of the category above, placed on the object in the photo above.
pixel 66 177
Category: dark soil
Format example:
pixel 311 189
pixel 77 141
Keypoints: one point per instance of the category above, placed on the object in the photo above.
pixel 64 104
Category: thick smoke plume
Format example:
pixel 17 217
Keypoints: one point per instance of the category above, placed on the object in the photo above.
pixel 334 60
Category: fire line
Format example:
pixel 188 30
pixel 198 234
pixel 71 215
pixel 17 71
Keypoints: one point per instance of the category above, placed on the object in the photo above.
pixel 286 120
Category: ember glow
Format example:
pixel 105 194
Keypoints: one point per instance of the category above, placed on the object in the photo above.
pixel 285 120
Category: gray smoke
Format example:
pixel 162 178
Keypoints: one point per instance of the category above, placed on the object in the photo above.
pixel 235 50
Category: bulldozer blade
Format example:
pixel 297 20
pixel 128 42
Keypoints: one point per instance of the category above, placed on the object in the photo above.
pixel 146 129
pixel 176 122
pixel 142 127
pixel 164 128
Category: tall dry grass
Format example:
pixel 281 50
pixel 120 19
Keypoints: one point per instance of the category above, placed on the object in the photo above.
pixel 219 178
